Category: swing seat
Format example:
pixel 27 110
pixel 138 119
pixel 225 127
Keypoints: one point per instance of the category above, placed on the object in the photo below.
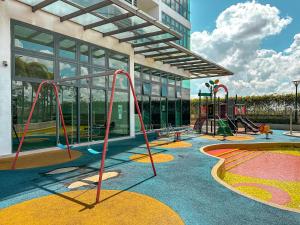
pixel 92 151
pixel 61 146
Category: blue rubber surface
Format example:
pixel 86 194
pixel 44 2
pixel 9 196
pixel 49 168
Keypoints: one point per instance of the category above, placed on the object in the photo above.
pixel 185 184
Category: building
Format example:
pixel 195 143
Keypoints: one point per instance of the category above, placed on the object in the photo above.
pixel 58 39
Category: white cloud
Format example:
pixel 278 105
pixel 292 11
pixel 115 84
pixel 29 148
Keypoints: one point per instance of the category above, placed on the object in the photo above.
pixel 235 44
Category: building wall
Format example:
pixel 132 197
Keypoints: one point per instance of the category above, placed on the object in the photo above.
pixel 5 81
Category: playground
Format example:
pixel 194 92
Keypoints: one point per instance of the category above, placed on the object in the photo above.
pixel 167 176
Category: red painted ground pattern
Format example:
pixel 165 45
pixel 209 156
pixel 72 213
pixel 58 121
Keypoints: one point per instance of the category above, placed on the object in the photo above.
pixel 218 151
pixel 272 166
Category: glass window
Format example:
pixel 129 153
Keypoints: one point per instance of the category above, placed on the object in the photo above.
pixel 146 73
pixel 138 87
pixel 171 92
pixel 171 81
pixel 33 39
pixel 98 114
pixel 84 53
pixel 120 115
pixel 178 92
pixel 85 118
pixel 67 48
pixel 156 78
pixel 118 61
pixel 186 84
pixel 84 70
pixel 68 100
pixel 67 70
pixel 156 89
pixel 26 66
pixel 146 88
pixel 155 112
pixel 137 72
pixel 98 57
pixel 185 93
pixel 99 81
pixel 43 118
pixel 121 82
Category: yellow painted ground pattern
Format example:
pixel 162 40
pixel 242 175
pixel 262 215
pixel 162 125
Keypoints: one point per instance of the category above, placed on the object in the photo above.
pixel 39 159
pixel 157 158
pixel 292 188
pixel 255 192
pixel 229 138
pixel 173 144
pixel 126 208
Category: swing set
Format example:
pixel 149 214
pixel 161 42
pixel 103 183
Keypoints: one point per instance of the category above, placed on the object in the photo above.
pixel 108 122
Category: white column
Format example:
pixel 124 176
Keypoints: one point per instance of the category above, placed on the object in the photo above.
pixel 131 101
pixel 5 82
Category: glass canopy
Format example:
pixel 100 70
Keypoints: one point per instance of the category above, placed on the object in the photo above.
pixel 127 23
pixel 110 17
pixel 182 58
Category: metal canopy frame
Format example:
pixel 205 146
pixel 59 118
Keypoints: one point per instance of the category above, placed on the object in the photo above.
pixel 127 23
pixel 185 59
pixel 110 17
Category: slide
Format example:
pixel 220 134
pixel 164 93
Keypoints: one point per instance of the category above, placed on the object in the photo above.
pixel 247 125
pixel 232 125
pixel 251 123
pixel 224 129
pixel 198 125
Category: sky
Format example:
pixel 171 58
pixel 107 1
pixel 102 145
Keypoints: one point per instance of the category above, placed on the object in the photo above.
pixel 257 40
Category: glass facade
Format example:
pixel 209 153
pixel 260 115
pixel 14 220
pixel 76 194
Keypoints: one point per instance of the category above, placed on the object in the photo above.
pixel 161 97
pixel 177 26
pixel 180 6
pixel 38 55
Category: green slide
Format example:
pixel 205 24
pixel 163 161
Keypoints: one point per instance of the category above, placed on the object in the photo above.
pixel 224 129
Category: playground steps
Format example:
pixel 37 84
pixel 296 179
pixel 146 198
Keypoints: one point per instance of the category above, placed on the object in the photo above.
pixel 225 153
pixel 239 159
pixel 234 154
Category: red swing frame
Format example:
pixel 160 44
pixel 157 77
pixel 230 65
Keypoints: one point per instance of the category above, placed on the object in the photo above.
pixel 30 116
pixel 101 169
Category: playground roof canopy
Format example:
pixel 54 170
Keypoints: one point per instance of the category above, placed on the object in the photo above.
pixel 127 23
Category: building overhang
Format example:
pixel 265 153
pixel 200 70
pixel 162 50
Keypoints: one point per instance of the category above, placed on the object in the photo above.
pixel 146 35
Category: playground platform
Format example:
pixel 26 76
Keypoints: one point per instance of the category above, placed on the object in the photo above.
pixel 184 191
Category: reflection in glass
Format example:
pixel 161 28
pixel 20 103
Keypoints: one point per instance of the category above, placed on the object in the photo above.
pixel 42 129
pixel 171 112
pixel 98 114
pixel 67 48
pixel 178 113
pixel 26 66
pixel 84 130
pixel 69 108
pixel 34 40
pixel 185 112
pixel 146 88
pixel 120 115
pixel 99 81
pixel 163 113
pixel 118 61
pixel 155 89
pixel 84 53
pixel 155 112
pixel 98 57
pixel 67 70
pixel 171 92
pixel 146 111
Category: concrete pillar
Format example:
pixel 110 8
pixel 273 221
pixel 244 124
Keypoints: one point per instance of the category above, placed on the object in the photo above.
pixel 5 82
pixel 131 100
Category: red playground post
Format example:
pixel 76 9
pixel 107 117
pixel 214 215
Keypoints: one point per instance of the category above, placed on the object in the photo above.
pixel 101 169
pixel 30 116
